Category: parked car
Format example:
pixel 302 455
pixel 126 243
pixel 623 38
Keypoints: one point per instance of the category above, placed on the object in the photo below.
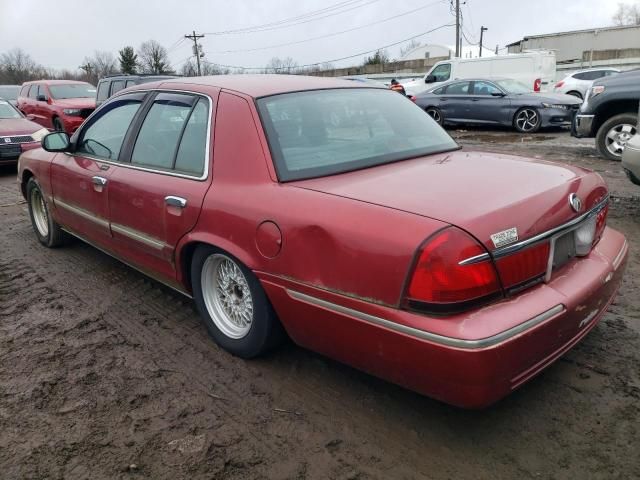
pixel 610 113
pixel 375 241
pixel 499 101
pixel 17 134
pixel 579 82
pixel 60 105
pixel 631 155
pixel 109 86
pixel 537 70
pixel 10 93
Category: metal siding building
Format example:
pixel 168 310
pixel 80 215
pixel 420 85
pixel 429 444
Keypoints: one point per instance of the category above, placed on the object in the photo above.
pixel 617 47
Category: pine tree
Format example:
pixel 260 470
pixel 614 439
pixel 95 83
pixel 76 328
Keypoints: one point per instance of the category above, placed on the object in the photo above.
pixel 128 60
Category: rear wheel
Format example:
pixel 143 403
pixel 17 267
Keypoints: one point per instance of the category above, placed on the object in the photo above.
pixel 46 228
pixel 436 114
pixel 527 120
pixel 235 308
pixel 614 134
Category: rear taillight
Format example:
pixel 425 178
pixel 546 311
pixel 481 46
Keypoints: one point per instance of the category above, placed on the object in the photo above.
pixel 523 266
pixel 441 284
pixel 536 84
pixel 559 84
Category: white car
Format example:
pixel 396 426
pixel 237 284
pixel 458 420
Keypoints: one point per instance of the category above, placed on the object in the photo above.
pixel 579 82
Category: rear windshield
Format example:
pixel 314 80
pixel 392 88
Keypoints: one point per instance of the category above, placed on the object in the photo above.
pixel 9 92
pixel 324 132
pixel 7 110
pixel 73 90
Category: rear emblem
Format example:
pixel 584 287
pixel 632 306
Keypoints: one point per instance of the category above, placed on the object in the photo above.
pixel 505 237
pixel 575 202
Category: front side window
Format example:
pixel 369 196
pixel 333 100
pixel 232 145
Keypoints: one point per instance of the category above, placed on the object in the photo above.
pixel 73 90
pixel 325 132
pixel 103 138
pixel 42 90
pixel 442 72
pixel 460 88
pixel 160 134
pixel 485 88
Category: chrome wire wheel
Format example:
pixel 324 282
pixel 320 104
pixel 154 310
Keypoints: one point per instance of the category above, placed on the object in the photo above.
pixel 617 137
pixel 39 210
pixel 435 114
pixel 227 296
pixel 527 120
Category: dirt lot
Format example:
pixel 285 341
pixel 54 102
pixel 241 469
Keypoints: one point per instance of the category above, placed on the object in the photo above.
pixel 106 374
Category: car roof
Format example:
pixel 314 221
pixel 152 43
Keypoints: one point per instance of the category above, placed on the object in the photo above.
pixel 55 82
pixel 593 70
pixel 259 85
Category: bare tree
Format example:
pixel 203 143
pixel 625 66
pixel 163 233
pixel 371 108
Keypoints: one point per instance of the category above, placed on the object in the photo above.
pixel 277 65
pixel 627 14
pixel 98 66
pixel 17 66
pixel 408 47
pixel 190 69
pixel 153 58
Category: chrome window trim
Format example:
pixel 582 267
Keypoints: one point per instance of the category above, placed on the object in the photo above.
pixel 207 159
pixel 554 232
pixel 138 236
pixel 82 213
pixel 429 336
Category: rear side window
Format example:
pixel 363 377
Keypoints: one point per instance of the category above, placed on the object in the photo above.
pixel 103 91
pixel 104 137
pixel 116 86
pixel 130 83
pixel 461 88
pixel 24 91
pixel 173 134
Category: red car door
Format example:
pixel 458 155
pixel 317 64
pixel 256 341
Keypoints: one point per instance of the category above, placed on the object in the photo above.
pixel 156 198
pixel 80 180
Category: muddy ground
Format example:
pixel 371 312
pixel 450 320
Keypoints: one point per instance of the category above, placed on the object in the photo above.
pixel 106 374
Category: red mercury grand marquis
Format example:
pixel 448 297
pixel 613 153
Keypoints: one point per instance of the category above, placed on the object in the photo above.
pixel 344 216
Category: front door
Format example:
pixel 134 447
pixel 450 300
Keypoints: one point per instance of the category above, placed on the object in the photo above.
pixel 488 104
pixel 156 198
pixel 80 179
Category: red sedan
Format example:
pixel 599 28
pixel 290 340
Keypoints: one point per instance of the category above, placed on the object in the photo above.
pixel 17 133
pixel 343 216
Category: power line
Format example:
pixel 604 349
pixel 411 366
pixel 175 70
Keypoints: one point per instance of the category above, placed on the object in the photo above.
pixel 342 58
pixel 286 24
pixel 197 50
pixel 330 34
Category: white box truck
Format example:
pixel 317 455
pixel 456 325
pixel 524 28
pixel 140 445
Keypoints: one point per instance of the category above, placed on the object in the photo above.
pixel 535 69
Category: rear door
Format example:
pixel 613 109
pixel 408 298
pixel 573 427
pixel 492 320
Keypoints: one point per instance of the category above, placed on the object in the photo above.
pixel 80 180
pixel 155 198
pixel 456 101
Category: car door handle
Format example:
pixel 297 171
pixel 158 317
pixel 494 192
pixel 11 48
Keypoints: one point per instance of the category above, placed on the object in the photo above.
pixel 100 181
pixel 174 201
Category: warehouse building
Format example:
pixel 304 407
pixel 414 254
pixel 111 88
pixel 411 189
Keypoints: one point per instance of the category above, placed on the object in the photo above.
pixel 617 47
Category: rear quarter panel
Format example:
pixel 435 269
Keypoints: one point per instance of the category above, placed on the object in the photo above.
pixel 36 163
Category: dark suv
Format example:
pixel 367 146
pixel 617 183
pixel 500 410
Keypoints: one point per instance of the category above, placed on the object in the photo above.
pixel 108 86
pixel 610 113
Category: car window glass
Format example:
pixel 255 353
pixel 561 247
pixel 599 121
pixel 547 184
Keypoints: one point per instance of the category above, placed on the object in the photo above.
pixel 192 150
pixel 130 83
pixel 42 91
pixel 103 91
pixel 33 93
pixel 158 138
pixel 442 72
pixel 439 91
pixel 116 86
pixel 24 91
pixel 461 88
pixel 104 137
pixel 485 88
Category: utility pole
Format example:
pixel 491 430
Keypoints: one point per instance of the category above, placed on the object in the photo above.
pixel 457 28
pixel 197 50
pixel 482 30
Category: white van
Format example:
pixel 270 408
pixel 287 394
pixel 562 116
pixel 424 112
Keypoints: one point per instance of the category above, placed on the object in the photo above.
pixel 535 69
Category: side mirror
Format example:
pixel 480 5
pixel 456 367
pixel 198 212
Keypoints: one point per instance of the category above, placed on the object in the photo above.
pixel 41 98
pixel 56 142
pixel 497 94
pixel 430 79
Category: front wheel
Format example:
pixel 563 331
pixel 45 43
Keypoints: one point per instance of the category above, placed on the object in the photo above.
pixel 235 308
pixel 45 227
pixel 614 134
pixel 527 120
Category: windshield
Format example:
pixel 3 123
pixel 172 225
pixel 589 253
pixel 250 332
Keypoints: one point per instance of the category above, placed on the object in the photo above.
pixel 73 90
pixel 324 132
pixel 7 111
pixel 513 86
pixel 9 92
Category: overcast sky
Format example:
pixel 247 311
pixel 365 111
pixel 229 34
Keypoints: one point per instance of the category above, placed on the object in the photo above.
pixel 61 33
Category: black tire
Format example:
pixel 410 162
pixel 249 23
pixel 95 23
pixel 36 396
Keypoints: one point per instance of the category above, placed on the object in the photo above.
pixel 57 125
pixel 608 147
pixel 54 236
pixel 265 331
pixel 529 125
pixel 436 114
pixel 573 93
